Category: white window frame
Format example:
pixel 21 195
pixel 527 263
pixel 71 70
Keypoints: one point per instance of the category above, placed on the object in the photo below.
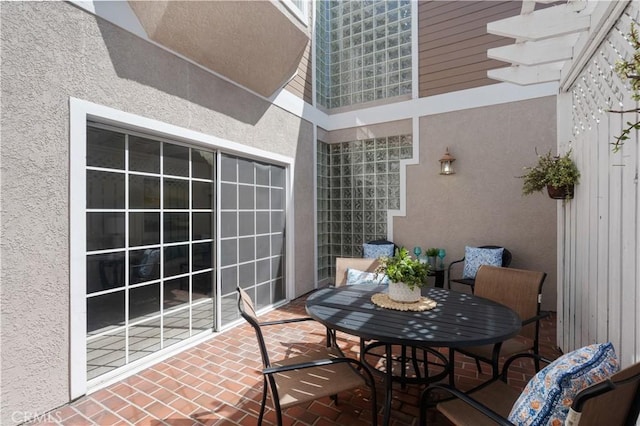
pixel 80 112
pixel 301 13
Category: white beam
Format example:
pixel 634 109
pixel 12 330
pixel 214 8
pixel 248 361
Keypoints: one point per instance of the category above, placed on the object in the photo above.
pixel 545 23
pixel 524 76
pixel 536 52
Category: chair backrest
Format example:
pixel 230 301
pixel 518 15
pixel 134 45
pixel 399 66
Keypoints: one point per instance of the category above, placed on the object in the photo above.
pixel 615 401
pixel 344 263
pixel 519 289
pixel 248 312
pixel 384 242
pixel 506 255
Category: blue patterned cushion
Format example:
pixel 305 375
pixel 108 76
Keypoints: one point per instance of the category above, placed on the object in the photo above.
pixel 374 251
pixel 549 394
pixel 474 257
pixel 355 276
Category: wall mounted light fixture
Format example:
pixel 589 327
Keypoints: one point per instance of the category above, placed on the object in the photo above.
pixel 446 164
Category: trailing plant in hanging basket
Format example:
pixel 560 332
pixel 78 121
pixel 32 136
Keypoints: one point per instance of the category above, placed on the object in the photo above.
pixel 556 171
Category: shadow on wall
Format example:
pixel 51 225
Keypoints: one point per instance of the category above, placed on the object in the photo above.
pixel 144 62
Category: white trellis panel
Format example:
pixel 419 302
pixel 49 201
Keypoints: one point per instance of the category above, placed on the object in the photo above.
pixel 599 234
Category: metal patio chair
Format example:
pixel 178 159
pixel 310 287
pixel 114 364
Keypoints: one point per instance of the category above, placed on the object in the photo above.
pixel 317 373
pixel 521 290
pixel 506 261
pixel 613 401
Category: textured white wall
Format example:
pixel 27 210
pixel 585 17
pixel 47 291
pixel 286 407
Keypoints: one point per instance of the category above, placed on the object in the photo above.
pixel 483 203
pixel 52 51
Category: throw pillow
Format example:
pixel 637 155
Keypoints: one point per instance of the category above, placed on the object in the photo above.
pixel 549 394
pixel 374 251
pixel 355 276
pixel 475 257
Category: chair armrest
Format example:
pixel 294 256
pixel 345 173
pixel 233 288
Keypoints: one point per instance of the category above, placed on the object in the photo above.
pixel 468 400
pixel 449 271
pixel 454 262
pixel 286 321
pixel 540 316
pixel 311 364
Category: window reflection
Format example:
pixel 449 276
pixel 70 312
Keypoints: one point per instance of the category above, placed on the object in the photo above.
pixel 144 155
pixel 176 260
pixel 105 190
pixel 176 227
pixel 144 265
pixel 105 311
pixel 176 194
pixel 144 229
pixel 144 300
pixel 105 148
pixel 105 230
pixel 176 160
pixel 144 192
pixel 105 271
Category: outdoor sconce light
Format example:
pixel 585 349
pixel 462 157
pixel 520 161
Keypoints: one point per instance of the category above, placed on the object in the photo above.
pixel 446 164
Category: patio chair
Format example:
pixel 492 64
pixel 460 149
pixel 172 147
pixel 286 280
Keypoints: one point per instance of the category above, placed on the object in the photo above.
pixel 314 374
pixel 598 396
pixel 469 280
pixel 376 248
pixel 364 268
pixel 521 290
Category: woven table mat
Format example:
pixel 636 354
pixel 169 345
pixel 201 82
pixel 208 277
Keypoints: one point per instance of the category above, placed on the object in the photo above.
pixel 384 301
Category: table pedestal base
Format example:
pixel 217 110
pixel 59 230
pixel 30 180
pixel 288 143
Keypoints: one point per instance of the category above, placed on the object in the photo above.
pixel 408 365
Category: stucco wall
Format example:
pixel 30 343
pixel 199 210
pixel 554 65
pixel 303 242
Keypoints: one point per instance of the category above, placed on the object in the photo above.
pixel 482 203
pixel 52 51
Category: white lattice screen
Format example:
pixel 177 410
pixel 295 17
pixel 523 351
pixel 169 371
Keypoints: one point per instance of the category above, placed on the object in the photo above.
pixel 599 238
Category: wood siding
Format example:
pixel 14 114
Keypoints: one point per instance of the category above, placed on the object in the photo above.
pixel 301 84
pixel 599 230
pixel 453 43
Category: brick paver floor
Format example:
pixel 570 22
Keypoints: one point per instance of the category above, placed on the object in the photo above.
pixel 218 382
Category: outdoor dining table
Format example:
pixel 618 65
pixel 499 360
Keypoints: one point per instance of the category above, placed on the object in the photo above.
pixel 458 320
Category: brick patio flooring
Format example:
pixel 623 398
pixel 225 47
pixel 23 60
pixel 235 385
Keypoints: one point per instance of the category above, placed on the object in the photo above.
pixel 218 382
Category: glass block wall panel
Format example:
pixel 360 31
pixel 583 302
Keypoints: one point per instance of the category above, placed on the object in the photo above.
pixel 358 181
pixel 150 246
pixel 363 51
pixel 324 214
pixel 252 237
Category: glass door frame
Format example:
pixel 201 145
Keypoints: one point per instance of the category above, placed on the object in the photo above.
pixel 80 113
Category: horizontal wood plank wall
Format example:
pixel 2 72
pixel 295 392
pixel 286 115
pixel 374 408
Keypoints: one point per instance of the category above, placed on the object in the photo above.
pixel 453 43
pixel 301 83
pixel 599 277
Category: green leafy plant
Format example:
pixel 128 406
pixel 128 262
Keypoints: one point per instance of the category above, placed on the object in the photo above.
pixel 432 252
pixel 556 171
pixel 629 70
pixel 401 267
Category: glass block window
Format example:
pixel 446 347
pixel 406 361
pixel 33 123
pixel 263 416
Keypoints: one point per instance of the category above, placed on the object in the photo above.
pixel 150 245
pixel 252 233
pixel 324 214
pixel 362 182
pixel 363 51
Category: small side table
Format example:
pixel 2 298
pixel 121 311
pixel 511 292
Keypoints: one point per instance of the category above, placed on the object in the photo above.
pixel 439 274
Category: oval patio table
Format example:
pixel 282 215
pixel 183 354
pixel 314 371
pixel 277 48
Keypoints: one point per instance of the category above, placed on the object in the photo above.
pixel 458 320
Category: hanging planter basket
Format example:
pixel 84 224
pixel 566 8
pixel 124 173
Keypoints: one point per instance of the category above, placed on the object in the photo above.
pixel 561 193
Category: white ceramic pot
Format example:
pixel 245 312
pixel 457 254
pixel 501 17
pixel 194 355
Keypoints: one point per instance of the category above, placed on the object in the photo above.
pixel 400 292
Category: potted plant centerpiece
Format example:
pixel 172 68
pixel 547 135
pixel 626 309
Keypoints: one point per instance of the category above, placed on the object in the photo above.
pixel 406 275
pixel 557 173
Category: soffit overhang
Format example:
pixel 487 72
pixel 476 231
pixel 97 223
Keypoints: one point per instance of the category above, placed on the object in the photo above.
pixel 257 44
pixel 550 43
